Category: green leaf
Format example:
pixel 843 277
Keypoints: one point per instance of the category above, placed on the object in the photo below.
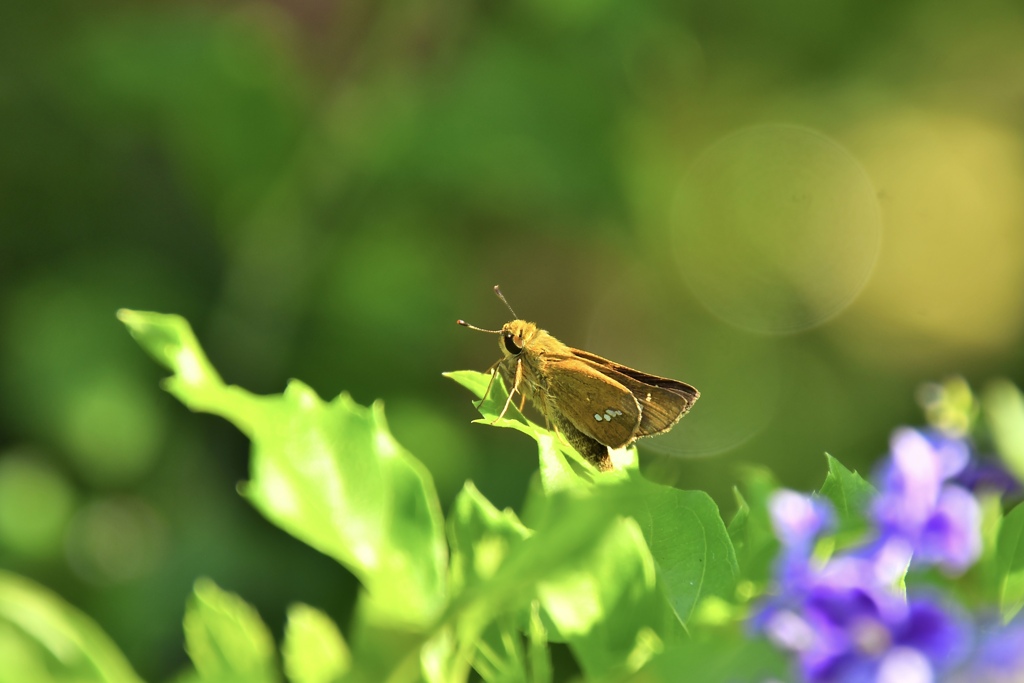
pixel 985 573
pixel 500 657
pixel 606 604
pixel 751 528
pixel 556 473
pixel 45 640
pixel 170 341
pixel 589 562
pixel 556 456
pixel 330 474
pixel 1003 407
pixel 226 639
pixel 481 537
pixel 738 525
pixel 493 404
pixel 849 493
pixel 569 526
pixel 595 576
pixel 1010 563
pixel 334 477
pixel 719 655
pixel 538 652
pixel 439 661
pixel 314 651
pixel 688 540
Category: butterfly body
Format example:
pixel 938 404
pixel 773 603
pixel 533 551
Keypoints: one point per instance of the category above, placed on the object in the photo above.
pixel 595 403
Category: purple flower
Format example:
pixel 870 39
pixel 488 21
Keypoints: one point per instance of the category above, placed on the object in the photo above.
pixel 849 629
pixel 998 656
pixel 988 475
pixel 846 619
pixel 798 520
pixel 919 509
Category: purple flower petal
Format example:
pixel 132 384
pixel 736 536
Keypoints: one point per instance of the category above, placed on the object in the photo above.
pixel 999 656
pixel 952 536
pixel 988 475
pixel 905 665
pixel 939 520
pixel 798 519
pixel 936 630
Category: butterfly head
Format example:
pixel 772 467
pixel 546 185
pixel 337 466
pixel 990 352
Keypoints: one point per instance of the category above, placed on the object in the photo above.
pixel 515 336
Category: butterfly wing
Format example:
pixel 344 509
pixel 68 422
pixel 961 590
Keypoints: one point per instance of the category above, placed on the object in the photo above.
pixel 663 401
pixel 596 404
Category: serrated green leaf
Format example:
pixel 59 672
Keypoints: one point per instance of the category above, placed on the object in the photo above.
pixel 1003 408
pixel 45 640
pixel 333 476
pixel 849 493
pixel 226 639
pixel 1010 563
pixel 314 651
pixel 170 341
pixel 330 474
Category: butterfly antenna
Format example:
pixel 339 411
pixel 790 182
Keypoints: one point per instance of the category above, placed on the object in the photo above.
pixel 497 290
pixel 474 327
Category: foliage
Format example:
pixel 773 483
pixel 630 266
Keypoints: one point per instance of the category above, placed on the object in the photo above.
pixel 639 580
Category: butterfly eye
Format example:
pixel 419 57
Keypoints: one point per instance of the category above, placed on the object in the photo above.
pixel 513 343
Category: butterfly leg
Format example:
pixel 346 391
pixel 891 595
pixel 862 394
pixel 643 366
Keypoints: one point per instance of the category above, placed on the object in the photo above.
pixel 514 389
pixel 554 426
pixel 487 392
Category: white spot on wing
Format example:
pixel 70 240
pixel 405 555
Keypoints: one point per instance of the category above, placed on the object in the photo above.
pixel 597 416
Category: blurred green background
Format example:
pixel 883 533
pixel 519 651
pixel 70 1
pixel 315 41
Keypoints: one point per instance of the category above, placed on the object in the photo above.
pixel 805 209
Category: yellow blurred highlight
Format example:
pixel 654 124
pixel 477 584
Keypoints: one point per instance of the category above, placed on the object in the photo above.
pixel 776 228
pixel 950 279
pixel 740 375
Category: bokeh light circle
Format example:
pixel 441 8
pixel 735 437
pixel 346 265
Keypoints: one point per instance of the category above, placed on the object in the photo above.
pixel 741 376
pixel 776 228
